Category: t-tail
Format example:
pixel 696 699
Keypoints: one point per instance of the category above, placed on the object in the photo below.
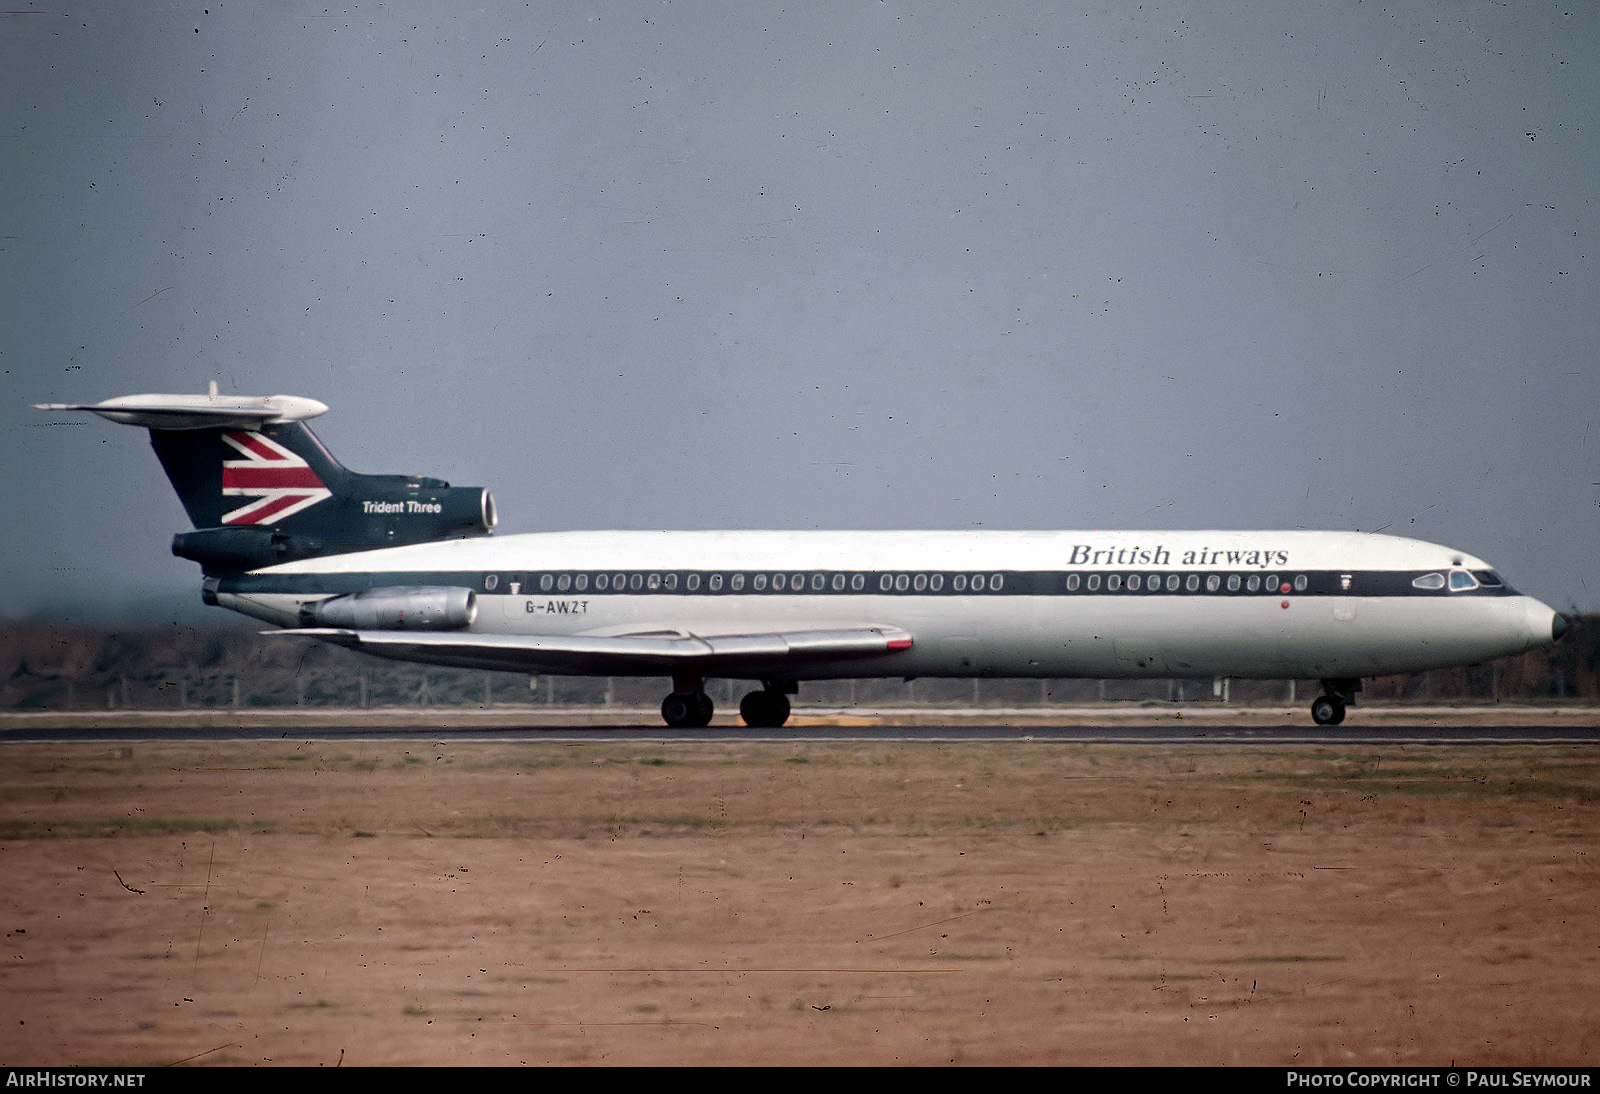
pixel 261 489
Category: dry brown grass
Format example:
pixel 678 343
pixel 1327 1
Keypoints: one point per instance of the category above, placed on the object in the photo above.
pixel 387 903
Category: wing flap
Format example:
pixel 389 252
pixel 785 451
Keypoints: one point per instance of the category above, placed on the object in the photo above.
pixel 619 655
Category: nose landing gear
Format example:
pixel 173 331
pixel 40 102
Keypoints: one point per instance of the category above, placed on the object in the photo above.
pixel 1329 707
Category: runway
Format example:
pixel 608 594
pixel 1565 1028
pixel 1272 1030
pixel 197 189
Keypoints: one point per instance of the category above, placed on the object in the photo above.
pixel 1121 726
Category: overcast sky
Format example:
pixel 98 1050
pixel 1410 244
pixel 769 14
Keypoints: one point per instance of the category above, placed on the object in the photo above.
pixel 829 265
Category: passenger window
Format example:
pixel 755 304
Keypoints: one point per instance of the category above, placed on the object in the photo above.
pixel 1233 583
pixel 636 582
pixel 797 582
pixel 1429 581
pixel 959 583
pixel 1072 583
pixel 760 582
pixel 1213 583
pixel 1460 581
pixel 736 582
pixel 1254 583
pixel 692 582
pixel 671 581
pixel 716 582
pixel 1094 582
pixel 563 583
pixel 936 582
pixel 977 583
pixel 919 583
pixel 490 581
pixel 1172 583
pixel 1133 583
pixel 581 582
pixel 901 582
pixel 996 582
pixel 838 583
pixel 1300 583
pixel 858 582
pixel 653 582
pixel 545 581
pixel 600 582
pixel 1193 583
pixel 1114 582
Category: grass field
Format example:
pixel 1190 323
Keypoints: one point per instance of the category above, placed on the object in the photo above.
pixel 324 903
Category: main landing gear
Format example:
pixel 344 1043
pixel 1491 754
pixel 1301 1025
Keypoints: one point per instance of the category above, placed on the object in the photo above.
pixel 1328 708
pixel 688 706
pixel 769 707
pixel 687 709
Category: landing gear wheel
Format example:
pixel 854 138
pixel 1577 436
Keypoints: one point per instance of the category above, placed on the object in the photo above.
pixel 1328 710
pixel 687 709
pixel 764 709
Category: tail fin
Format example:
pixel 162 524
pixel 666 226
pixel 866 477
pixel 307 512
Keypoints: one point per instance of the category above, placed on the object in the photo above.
pixel 260 488
pixel 249 477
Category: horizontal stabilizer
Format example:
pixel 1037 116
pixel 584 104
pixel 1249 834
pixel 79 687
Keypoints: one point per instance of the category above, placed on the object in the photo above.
pixel 187 412
pixel 750 655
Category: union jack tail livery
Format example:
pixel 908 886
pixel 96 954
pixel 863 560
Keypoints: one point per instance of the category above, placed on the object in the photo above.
pixel 260 488
pixel 278 482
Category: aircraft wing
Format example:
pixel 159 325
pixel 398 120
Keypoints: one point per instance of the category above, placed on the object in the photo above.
pixel 745 655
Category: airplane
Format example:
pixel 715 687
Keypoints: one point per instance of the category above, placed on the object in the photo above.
pixel 408 568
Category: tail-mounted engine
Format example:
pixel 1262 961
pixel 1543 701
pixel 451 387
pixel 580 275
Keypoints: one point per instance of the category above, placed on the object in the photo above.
pixel 244 548
pixel 390 512
pixel 397 608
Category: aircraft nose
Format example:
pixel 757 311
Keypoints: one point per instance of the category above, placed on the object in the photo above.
pixel 1540 624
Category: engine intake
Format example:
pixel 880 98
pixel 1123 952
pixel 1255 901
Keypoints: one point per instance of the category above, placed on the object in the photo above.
pixel 396 608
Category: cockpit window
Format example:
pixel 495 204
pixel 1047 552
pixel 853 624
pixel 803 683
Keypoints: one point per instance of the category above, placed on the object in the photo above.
pixel 1429 581
pixel 1488 579
pixel 1460 581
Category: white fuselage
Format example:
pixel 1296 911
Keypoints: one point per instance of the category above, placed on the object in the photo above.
pixel 1066 604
